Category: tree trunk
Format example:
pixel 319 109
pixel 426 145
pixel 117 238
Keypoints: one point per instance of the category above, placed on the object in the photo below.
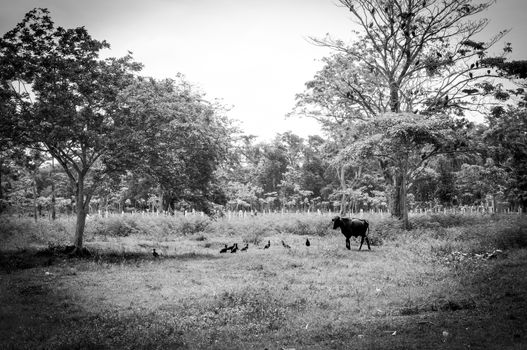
pixel 398 194
pixel 35 205
pixel 394 96
pixel 53 212
pixel 395 194
pixel 342 177
pixel 494 203
pixel 1 192
pixel 403 202
pixel 81 217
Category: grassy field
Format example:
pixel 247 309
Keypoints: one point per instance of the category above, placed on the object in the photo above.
pixel 452 282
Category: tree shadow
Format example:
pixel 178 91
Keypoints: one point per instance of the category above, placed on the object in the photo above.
pixel 28 258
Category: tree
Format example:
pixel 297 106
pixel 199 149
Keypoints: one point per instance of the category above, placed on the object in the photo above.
pixel 506 145
pixel 314 166
pixel 185 141
pixel 407 142
pixel 409 56
pixel 66 101
pixel 481 180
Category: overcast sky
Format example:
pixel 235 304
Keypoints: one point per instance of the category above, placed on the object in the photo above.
pixel 252 54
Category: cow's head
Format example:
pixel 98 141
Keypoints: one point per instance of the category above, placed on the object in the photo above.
pixel 336 222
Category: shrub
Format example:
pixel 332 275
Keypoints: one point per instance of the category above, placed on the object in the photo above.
pixel 512 237
pixel 306 225
pixel 115 227
pixel 190 225
pixel 445 220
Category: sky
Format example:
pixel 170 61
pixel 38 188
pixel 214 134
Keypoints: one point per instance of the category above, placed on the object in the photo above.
pixel 253 55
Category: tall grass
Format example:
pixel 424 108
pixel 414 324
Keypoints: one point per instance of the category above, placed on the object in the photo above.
pixel 499 231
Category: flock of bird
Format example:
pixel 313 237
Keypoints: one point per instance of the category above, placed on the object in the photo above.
pixel 234 248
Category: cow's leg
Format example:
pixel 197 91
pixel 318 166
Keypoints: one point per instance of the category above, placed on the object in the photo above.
pixel 348 243
pixel 361 241
pixel 368 241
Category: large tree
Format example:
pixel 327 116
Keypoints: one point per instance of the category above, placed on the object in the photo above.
pixel 408 56
pixel 184 140
pixel 66 102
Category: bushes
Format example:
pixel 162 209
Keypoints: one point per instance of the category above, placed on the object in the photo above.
pixel 447 220
pixel 514 236
pixel 159 227
pixel 16 233
pixel 304 225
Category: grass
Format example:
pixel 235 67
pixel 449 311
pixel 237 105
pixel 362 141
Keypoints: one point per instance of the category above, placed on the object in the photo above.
pixel 437 286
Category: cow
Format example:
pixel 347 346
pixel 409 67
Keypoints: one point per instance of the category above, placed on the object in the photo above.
pixel 352 228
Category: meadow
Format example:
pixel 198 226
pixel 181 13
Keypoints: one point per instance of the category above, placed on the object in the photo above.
pixel 451 282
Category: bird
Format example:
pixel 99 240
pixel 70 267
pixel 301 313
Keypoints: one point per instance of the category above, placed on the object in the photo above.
pixel 267 245
pixel 235 249
pixel 286 245
pixel 245 248
pixel 154 253
pixel 224 250
pixel 307 242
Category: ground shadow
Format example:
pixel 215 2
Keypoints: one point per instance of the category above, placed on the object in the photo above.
pixel 32 257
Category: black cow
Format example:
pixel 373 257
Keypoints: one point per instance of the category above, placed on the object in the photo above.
pixel 353 228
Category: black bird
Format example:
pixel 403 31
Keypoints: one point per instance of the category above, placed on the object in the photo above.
pixel 307 242
pixel 267 245
pixel 224 250
pixel 245 248
pixel 235 249
pixel 286 245
pixel 154 253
